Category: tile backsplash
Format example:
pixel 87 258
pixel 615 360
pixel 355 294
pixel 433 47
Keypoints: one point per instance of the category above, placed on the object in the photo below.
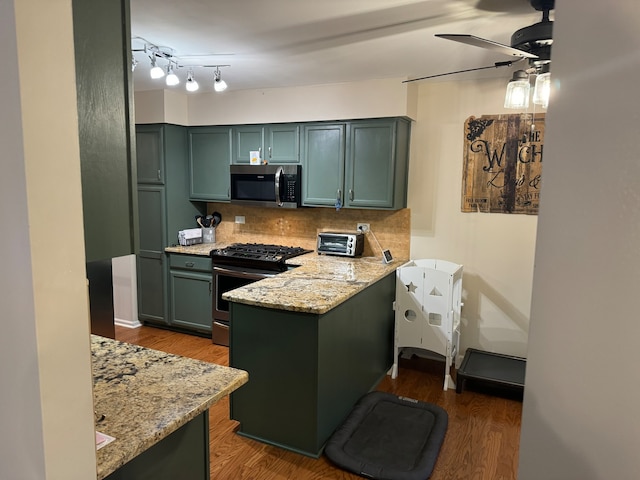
pixel 299 227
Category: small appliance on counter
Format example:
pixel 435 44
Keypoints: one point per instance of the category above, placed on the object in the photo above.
pixel 344 244
pixel 190 236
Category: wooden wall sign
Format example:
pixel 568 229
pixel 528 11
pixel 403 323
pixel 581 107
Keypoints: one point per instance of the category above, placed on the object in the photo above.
pixel 502 163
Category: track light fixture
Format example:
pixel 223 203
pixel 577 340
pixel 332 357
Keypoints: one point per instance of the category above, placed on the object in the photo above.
pixel 192 85
pixel 156 71
pixel 219 85
pixel 172 78
pixel 174 63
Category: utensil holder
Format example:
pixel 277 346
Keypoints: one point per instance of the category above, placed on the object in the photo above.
pixel 208 235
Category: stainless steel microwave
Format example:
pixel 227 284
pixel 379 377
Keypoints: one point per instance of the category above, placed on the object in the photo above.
pixel 266 185
pixel 345 244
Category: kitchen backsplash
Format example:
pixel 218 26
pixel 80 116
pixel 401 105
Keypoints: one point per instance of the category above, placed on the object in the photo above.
pixel 299 227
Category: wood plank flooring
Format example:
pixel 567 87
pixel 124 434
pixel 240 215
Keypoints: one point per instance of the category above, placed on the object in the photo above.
pixel 482 439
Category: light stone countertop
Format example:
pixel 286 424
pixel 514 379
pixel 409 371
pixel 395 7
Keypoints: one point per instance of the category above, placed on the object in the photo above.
pixel 318 284
pixel 146 395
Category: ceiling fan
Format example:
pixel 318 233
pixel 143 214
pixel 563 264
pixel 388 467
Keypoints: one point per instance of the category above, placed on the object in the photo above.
pixel 532 43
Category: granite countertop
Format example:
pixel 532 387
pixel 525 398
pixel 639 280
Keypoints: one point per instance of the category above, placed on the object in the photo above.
pixel 146 395
pixel 318 284
pixel 201 249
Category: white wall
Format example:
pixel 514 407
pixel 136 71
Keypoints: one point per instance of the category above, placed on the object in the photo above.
pixel 580 414
pixel 368 99
pixel 45 365
pixel 495 249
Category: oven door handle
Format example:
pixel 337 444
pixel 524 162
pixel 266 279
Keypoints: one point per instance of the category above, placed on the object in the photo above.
pixel 238 273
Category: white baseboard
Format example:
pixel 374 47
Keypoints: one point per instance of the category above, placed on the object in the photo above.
pixel 127 323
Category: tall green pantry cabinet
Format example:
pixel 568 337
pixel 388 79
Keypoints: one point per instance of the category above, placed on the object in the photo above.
pixel 163 209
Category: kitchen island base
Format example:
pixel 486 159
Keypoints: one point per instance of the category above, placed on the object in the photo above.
pixel 183 454
pixel 308 370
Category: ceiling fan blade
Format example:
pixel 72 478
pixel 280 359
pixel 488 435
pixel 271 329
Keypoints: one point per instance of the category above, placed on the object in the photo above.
pixel 489 44
pixel 508 63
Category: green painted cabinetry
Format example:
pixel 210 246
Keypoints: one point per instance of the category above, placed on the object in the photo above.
pixel 164 208
pixel 357 164
pixel 307 371
pixel 104 85
pixel 323 153
pixel 209 160
pixel 190 287
pixel 278 143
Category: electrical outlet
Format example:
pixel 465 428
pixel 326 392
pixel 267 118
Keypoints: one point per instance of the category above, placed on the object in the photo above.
pixel 363 227
pixel 239 218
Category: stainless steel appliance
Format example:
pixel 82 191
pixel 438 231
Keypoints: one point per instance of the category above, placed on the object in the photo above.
pixel 238 265
pixel 345 244
pixel 266 185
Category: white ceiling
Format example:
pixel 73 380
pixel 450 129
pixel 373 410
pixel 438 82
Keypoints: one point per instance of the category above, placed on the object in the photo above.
pixel 284 43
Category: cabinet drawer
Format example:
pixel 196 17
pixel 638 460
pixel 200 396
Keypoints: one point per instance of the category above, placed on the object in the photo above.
pixel 190 262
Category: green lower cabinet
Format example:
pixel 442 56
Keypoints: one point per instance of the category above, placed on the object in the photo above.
pixel 307 371
pixel 190 291
pixel 183 454
pixel 152 297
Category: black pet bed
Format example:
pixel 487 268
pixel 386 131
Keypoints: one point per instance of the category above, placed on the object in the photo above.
pixel 388 437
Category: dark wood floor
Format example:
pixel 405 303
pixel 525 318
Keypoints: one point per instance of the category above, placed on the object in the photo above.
pixel 481 443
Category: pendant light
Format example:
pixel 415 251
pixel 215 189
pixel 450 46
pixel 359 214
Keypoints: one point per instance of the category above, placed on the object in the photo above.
pixel 517 95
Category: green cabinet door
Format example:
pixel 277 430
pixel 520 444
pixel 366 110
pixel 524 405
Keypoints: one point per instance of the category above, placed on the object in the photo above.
pixel 152 270
pixel 277 143
pixel 209 160
pixel 150 154
pixel 323 163
pixel 190 288
pixel 282 143
pixel 370 165
pixel 246 139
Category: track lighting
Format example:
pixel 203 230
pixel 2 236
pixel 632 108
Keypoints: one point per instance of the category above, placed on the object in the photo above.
pixel 219 85
pixel 172 78
pixel 192 85
pixel 174 64
pixel 517 95
pixel 156 71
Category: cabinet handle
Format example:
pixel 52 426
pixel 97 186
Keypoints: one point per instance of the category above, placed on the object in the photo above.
pixel 189 264
pixel 210 287
pixel 269 152
pixel 159 178
pixel 350 194
pixel 260 152
pixel 339 195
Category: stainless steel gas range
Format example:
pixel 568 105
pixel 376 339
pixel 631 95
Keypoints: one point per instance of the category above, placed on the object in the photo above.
pixel 238 265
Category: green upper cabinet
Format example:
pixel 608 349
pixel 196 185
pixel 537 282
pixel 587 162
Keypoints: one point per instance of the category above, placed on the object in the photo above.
pixel 323 149
pixel 376 167
pixel 277 143
pixel 209 160
pixel 358 164
pixel 150 154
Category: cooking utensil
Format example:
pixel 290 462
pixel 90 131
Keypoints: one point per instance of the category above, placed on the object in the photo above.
pixel 217 218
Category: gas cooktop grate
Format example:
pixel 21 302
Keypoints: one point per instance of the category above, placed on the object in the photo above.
pixel 256 255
